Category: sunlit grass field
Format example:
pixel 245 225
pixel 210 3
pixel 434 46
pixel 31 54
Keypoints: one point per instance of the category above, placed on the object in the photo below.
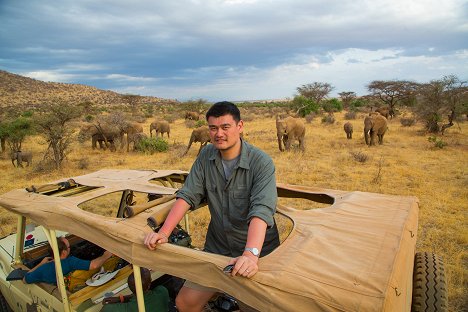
pixel 406 164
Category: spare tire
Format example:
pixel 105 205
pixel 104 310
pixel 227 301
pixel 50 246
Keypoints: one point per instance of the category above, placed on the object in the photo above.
pixel 429 286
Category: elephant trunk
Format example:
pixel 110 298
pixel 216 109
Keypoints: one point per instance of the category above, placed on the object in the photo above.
pixel 280 144
pixel 366 136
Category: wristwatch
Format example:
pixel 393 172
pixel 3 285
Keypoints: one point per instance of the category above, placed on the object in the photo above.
pixel 254 251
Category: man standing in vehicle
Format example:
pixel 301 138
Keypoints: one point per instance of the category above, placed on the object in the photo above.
pixel 238 181
pixel 45 270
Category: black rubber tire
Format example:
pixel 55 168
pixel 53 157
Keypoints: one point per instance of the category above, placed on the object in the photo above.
pixel 4 307
pixel 429 286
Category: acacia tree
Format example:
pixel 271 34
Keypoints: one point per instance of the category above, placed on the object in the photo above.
pixel 392 92
pixel 347 97
pixel 14 131
pixel 446 96
pixel 315 91
pixel 310 96
pixel 133 101
pixel 198 106
pixel 54 125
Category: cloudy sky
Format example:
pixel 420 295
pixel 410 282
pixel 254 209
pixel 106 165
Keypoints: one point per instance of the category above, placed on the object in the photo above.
pixel 233 49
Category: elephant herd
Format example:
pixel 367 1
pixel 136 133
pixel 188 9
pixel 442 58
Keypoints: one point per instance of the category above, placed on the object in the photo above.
pixel 288 131
pixel 375 127
pixel 292 129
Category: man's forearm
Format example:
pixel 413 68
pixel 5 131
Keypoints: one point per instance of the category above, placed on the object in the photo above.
pixel 256 233
pixel 175 215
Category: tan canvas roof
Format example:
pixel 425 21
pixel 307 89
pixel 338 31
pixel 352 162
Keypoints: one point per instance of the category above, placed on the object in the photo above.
pixel 356 255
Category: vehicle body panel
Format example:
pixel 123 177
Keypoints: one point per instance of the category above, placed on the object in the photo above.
pixel 355 255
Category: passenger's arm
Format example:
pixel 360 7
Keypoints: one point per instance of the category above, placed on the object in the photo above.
pixel 44 260
pixel 99 261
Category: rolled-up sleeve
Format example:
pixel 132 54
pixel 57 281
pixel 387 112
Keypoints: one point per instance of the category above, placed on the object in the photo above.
pixel 193 190
pixel 263 196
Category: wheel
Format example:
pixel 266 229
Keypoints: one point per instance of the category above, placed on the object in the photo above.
pixel 429 287
pixel 4 307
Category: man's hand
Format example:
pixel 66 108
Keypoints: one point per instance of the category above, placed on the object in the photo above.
pixel 153 239
pixel 245 265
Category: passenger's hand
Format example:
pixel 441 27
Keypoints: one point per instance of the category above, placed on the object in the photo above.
pixel 245 265
pixel 153 239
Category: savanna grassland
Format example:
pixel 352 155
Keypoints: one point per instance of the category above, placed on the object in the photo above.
pixel 406 164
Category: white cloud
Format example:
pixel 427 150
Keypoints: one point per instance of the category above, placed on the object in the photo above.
pixel 50 76
pixel 128 78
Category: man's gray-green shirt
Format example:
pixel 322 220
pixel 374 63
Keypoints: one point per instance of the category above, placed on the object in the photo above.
pixel 249 192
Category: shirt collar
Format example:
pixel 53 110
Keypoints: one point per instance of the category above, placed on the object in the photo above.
pixel 244 156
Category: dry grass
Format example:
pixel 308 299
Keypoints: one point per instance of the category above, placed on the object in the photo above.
pixel 407 164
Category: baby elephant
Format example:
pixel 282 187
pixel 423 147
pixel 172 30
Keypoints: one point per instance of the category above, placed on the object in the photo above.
pixel 21 157
pixel 348 128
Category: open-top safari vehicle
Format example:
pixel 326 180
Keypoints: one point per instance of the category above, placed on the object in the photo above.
pixel 356 254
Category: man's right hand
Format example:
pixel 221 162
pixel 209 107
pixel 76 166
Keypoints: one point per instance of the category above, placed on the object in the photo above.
pixel 153 239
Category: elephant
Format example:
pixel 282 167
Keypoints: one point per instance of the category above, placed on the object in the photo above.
pixel 21 157
pixel 192 115
pixel 348 128
pixel 106 135
pixel 136 138
pixel 160 126
pixel 130 128
pixel 288 130
pixel 202 135
pixel 374 125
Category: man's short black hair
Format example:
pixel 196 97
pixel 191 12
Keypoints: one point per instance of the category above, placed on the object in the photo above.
pixel 224 108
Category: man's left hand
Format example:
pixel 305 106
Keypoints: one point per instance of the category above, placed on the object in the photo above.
pixel 245 265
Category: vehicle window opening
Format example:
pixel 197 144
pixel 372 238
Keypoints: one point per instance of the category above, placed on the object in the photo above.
pixel 173 180
pixel 106 205
pixel 303 200
pixel 67 188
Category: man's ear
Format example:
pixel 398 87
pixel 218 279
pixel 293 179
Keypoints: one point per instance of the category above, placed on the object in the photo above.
pixel 240 124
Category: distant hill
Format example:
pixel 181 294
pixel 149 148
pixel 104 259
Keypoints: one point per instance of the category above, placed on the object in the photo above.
pixel 28 93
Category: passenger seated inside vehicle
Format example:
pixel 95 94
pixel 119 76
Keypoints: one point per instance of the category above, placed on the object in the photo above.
pixel 45 270
pixel 156 299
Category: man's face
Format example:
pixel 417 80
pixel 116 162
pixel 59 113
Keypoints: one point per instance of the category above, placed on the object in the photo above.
pixel 224 131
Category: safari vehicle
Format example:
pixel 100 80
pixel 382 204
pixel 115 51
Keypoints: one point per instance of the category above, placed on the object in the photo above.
pixel 354 251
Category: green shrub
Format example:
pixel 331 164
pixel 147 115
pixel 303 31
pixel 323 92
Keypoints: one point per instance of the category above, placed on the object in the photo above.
pixel 200 123
pixel 27 114
pixel 151 145
pixel 439 143
pixel 355 104
pixel 332 105
pixel 304 106
pixel 89 118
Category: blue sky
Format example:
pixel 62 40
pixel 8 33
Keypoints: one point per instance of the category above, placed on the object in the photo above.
pixel 233 49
